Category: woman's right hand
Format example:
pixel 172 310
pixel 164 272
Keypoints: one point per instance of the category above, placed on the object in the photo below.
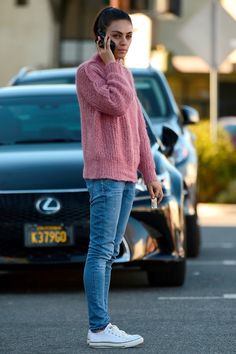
pixel 105 52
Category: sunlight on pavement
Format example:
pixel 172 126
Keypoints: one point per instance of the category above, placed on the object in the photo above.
pixel 217 214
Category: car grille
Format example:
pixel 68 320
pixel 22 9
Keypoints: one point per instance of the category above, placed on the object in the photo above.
pixel 18 209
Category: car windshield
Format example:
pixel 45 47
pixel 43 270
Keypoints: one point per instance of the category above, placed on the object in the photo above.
pixel 152 97
pixel 39 119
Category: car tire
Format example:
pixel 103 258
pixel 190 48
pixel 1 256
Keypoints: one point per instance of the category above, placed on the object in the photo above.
pixel 193 236
pixel 168 274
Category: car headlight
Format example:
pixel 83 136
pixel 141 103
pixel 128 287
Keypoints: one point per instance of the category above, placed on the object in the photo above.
pixel 140 185
pixel 164 179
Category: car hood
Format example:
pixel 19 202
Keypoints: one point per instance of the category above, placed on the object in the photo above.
pixel 41 166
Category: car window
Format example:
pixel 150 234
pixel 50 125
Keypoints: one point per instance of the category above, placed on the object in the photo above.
pixel 39 118
pixel 151 96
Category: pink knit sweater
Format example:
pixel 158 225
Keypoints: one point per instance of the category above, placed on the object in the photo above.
pixel 114 137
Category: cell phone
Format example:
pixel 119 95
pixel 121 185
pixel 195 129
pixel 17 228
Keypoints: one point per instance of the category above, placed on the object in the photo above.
pixel 102 36
pixel 154 203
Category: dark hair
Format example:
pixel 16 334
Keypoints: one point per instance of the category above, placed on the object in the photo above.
pixel 106 16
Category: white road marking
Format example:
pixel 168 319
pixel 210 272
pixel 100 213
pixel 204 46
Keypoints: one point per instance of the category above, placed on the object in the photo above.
pixel 230 296
pixel 224 245
pixel 190 298
pixel 211 214
pixel 173 298
pixel 225 262
pixel 229 262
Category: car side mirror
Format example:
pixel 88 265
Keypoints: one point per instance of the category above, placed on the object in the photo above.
pixel 168 139
pixel 190 115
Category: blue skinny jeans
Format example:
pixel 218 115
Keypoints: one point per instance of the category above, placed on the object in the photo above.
pixel 110 205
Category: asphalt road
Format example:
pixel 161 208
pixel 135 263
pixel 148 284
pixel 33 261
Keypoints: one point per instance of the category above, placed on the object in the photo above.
pixel 45 312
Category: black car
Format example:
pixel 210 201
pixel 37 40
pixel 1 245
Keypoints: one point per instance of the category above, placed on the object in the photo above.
pixel 157 99
pixel 44 202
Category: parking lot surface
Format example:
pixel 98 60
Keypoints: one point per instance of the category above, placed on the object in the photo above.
pixel 44 312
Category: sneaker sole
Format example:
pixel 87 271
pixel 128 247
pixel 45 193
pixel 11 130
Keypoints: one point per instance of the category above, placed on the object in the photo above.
pixel 130 344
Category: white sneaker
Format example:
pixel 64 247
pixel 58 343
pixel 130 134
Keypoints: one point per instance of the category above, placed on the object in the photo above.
pixel 113 337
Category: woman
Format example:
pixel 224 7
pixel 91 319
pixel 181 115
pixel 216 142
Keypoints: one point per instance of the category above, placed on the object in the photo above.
pixel 115 146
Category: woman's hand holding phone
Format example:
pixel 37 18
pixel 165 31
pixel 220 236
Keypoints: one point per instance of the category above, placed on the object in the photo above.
pixel 104 49
pixel 155 191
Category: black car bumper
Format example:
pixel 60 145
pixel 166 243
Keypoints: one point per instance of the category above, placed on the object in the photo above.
pixel 149 235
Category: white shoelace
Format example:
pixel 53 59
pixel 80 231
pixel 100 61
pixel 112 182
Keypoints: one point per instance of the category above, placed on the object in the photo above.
pixel 116 331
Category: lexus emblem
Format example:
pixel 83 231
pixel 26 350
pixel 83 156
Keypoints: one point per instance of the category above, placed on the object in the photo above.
pixel 48 205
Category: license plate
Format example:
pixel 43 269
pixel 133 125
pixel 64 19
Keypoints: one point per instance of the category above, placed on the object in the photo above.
pixel 48 235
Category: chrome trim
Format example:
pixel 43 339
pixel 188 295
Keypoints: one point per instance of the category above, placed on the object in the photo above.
pixel 44 191
pixel 142 198
pixel 126 255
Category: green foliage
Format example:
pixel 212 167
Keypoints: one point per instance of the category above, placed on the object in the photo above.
pixel 217 165
pixel 229 194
